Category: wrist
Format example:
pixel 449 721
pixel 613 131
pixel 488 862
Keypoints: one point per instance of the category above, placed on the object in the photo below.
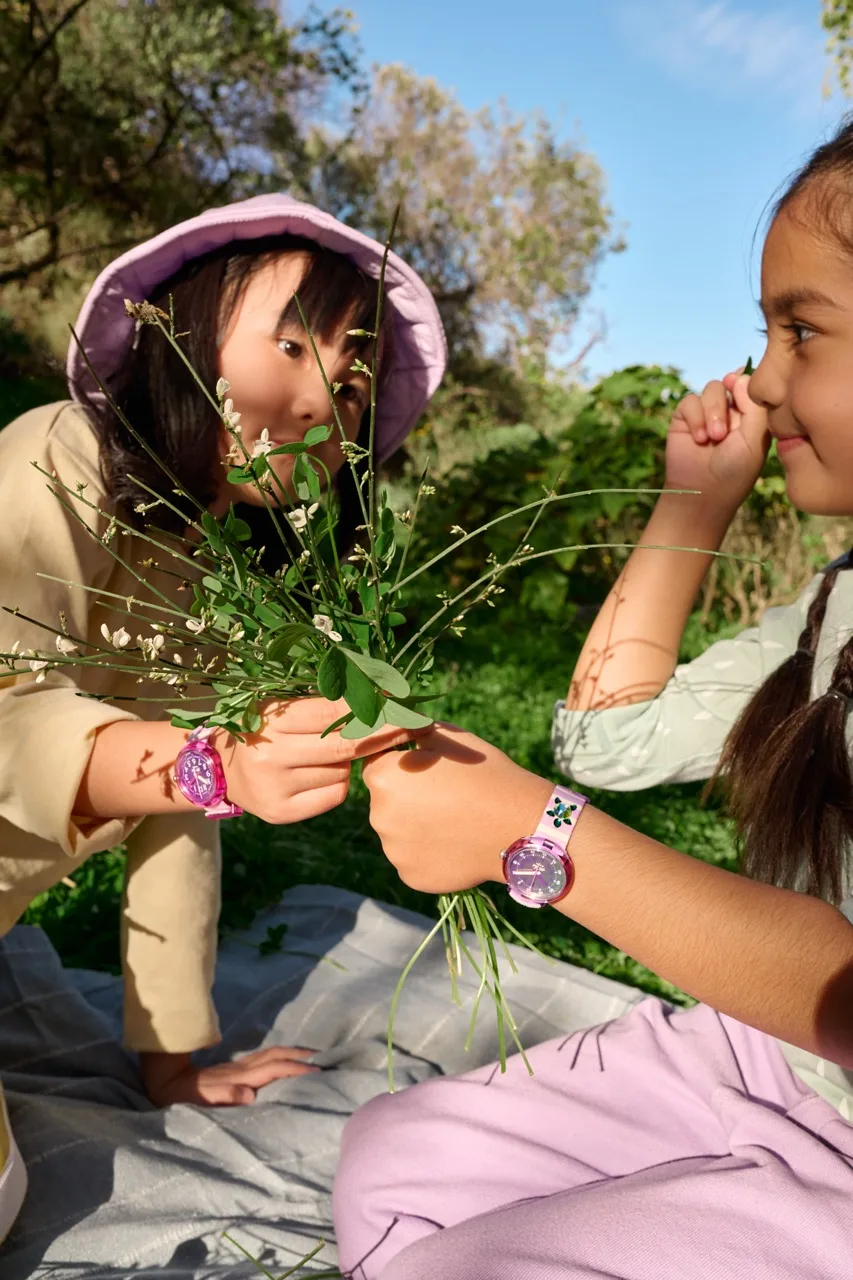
pixel 529 798
pixel 690 520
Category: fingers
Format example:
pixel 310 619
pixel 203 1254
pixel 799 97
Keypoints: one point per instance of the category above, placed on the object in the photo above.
pixel 708 417
pixel 384 740
pixel 230 1084
pixel 303 715
pixel 307 804
pixel 690 416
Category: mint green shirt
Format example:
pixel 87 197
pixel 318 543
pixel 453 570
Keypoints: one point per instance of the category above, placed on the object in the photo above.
pixel 678 737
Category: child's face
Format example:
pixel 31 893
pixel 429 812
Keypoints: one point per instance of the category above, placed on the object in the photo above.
pixel 805 378
pixel 276 385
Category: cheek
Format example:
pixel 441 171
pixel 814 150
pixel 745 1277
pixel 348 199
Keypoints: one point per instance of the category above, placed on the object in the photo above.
pixel 821 393
pixel 252 366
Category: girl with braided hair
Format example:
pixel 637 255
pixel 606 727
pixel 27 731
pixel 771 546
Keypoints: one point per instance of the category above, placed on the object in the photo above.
pixel 708 1143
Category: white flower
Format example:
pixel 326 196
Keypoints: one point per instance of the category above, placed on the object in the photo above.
pixel 263 444
pixel 121 638
pixel 324 623
pixel 64 645
pixel 300 517
pixel 177 659
pixel 457 528
pixel 230 416
pixel 37 664
pixel 173 679
pixel 14 648
pixel 195 625
pixel 222 386
pixel 305 556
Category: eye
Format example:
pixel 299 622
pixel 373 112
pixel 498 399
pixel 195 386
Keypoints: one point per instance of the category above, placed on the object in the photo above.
pixel 800 332
pixel 290 348
pixel 352 394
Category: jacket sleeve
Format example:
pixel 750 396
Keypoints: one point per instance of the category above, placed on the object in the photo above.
pixel 47 728
pixel 677 736
pixel 169 924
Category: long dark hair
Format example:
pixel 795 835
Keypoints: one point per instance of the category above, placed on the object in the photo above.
pixel 785 763
pixel 166 407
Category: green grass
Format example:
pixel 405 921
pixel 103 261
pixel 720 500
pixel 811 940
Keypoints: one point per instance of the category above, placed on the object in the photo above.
pixel 502 684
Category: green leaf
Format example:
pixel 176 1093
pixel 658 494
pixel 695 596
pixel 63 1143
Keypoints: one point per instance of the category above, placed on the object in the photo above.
pixel 384 676
pixel 296 448
pixel 316 435
pixel 359 729
pixel 186 719
pixel 404 717
pixel 286 637
pixel 212 531
pixel 212 584
pixel 240 475
pixel 749 368
pixel 332 675
pixel 342 720
pixel 270 618
pixel 395 619
pixel 237 528
pixel 362 696
pixel 252 719
pixel 306 480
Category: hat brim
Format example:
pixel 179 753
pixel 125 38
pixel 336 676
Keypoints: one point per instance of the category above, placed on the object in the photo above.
pixel 106 331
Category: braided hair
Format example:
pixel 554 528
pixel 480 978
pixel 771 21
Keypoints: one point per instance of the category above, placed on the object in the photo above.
pixel 787 769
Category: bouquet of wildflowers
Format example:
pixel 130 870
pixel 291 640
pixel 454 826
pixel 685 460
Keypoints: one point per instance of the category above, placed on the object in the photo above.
pixel 327 622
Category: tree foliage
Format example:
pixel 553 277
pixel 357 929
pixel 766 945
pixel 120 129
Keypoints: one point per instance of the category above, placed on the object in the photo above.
pixel 118 119
pixel 505 222
pixel 838 22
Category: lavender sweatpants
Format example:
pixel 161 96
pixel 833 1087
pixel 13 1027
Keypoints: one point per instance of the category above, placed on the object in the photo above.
pixel 665 1145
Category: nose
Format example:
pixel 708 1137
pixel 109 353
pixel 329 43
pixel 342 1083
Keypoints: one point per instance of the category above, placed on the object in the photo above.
pixel 767 384
pixel 309 402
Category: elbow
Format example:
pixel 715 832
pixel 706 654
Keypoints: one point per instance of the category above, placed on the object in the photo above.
pixel 834 1014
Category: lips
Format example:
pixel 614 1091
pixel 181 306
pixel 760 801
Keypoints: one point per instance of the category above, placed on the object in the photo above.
pixel 787 444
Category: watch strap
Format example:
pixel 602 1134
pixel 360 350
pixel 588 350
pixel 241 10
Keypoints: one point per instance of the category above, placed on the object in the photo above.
pixel 560 815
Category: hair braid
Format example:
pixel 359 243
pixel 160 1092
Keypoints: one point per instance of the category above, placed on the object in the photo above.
pixel 787 769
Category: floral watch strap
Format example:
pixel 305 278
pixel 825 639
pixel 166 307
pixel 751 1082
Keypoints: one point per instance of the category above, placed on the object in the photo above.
pixel 561 814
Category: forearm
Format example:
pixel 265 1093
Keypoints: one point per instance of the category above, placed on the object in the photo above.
pixel 129 774
pixel 776 960
pixel 632 648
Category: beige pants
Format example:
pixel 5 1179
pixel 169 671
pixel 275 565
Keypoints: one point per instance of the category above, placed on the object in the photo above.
pixel 13 1175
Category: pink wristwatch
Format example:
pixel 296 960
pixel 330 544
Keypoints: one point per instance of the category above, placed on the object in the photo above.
pixel 200 777
pixel 537 868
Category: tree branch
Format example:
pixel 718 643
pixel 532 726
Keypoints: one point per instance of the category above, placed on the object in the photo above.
pixel 37 54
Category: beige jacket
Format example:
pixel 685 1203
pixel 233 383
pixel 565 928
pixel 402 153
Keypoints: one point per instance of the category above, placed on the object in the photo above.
pixel 172 894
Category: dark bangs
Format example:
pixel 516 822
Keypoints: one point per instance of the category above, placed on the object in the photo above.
pixel 334 293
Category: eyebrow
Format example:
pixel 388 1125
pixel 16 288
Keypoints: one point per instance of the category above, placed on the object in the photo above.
pixel 784 304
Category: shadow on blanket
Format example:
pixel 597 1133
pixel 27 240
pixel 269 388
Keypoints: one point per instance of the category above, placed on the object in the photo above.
pixel 119 1188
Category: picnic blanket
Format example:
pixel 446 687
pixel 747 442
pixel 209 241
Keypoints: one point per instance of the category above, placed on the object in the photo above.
pixel 121 1189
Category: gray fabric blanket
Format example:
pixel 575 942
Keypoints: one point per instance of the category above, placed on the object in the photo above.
pixel 120 1189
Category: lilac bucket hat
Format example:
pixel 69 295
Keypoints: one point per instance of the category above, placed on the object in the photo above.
pixel 420 350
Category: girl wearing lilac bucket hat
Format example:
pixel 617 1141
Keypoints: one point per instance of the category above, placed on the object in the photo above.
pixel 79 775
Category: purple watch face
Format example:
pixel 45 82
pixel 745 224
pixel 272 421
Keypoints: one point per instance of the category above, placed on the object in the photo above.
pixel 197 775
pixel 536 873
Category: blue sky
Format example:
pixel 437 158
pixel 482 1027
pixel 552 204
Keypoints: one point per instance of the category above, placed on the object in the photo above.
pixel 697 111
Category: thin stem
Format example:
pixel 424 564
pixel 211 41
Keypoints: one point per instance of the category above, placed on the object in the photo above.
pixel 495 573
pixel 399 987
pixel 122 417
pixel 519 511
pixel 374 371
pixel 412 524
